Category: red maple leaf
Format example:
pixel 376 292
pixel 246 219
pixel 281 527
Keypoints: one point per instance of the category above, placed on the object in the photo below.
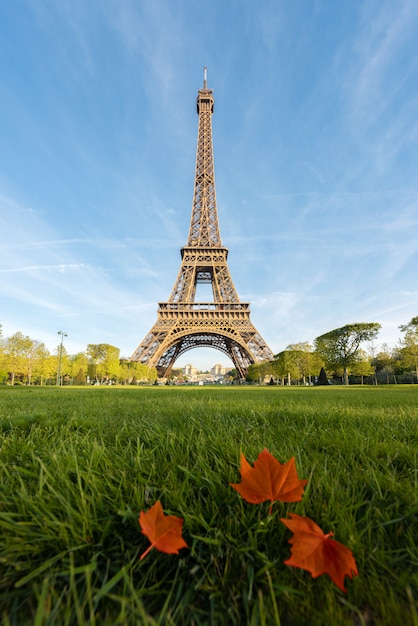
pixel 269 480
pixel 318 553
pixel 164 531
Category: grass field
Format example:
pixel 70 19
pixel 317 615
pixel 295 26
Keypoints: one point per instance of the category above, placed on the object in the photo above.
pixel 78 465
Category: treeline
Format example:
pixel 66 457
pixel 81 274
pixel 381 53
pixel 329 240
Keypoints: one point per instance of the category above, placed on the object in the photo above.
pixel 338 357
pixel 27 361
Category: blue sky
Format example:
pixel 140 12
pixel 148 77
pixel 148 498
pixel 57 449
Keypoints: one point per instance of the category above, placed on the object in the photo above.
pixel 316 158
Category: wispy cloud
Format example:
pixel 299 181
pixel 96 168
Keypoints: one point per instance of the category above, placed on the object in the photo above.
pixel 376 87
pixel 61 268
pixel 383 37
pixel 413 294
pixel 155 33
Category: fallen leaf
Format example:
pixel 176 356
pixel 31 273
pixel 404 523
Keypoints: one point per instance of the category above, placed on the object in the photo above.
pixel 269 480
pixel 318 553
pixel 164 531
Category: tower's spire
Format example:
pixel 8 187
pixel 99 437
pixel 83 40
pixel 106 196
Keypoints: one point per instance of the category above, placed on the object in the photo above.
pixel 204 228
pixel 205 69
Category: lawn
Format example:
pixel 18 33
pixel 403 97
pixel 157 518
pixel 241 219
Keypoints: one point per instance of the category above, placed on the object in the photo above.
pixel 79 464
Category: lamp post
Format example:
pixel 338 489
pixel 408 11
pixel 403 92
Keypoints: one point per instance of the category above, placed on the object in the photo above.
pixel 63 334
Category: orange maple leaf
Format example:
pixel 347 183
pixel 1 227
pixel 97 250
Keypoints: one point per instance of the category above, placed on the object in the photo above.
pixel 318 553
pixel 164 531
pixel 269 480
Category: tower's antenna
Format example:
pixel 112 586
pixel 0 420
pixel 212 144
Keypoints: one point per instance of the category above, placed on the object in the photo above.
pixel 205 69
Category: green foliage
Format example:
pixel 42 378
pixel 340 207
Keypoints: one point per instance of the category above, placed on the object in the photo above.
pixel 104 361
pixel 383 362
pixel 78 465
pixel 339 347
pixel 362 366
pixel 80 379
pixel 297 363
pixel 17 349
pixel 77 368
pixel 41 364
pixel 323 378
pixel 411 327
pixel 135 372
pixel 409 352
pixel 253 373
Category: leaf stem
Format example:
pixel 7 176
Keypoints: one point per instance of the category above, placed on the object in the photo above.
pixel 144 554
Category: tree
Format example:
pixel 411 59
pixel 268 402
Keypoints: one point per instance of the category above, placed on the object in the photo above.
pixel 17 349
pixel 410 344
pixel 174 374
pixel 31 356
pixel 143 373
pixel 3 369
pixel 339 347
pixel 104 361
pixel 286 366
pixel 297 363
pixel 253 373
pixel 384 361
pixel 363 367
pixel 322 378
pixel 77 368
pixel 300 355
pixel 125 370
pixel 305 359
pixel 41 365
pixel 231 375
pixel 152 374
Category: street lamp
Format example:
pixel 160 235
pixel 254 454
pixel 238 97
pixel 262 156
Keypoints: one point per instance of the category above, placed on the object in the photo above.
pixel 63 334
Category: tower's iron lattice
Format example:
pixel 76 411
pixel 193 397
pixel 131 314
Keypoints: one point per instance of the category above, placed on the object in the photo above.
pixel 182 323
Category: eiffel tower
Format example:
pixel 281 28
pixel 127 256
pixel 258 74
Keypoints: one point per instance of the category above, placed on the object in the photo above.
pixel 182 323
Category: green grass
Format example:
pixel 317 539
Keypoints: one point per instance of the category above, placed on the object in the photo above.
pixel 78 465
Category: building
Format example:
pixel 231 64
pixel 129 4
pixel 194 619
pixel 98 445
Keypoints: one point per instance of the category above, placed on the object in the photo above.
pixel 220 370
pixel 189 370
